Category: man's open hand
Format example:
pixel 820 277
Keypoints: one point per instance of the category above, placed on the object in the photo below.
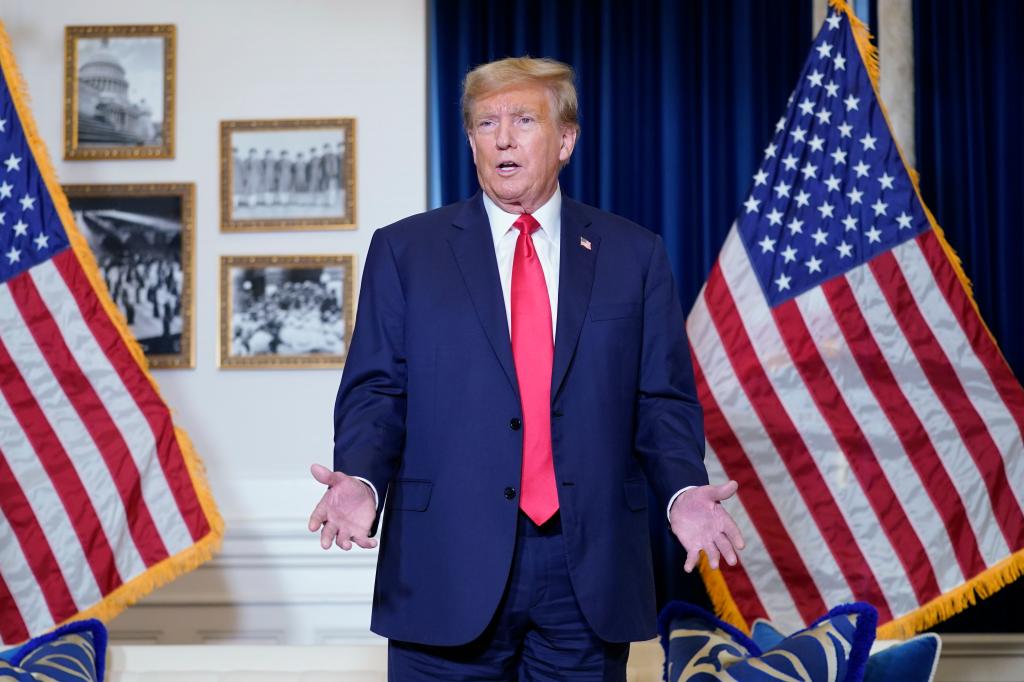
pixel 346 511
pixel 701 523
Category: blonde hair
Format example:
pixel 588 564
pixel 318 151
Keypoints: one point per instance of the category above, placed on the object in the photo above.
pixel 489 78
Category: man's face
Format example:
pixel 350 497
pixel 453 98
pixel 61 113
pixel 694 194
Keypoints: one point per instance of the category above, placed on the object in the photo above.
pixel 518 147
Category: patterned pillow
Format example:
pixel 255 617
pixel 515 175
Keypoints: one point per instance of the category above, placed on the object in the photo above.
pixel 913 660
pixel 701 648
pixel 75 652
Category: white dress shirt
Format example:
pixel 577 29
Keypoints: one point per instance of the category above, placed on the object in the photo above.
pixel 546 241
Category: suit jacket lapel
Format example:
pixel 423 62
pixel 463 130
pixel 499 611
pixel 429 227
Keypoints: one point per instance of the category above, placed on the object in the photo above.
pixel 473 246
pixel 575 282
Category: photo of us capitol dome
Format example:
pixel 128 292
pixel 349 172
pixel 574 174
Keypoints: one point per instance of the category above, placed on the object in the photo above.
pixel 111 108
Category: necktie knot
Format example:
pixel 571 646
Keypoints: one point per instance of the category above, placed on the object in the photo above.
pixel 526 224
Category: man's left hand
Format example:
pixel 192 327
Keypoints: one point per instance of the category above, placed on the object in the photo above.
pixel 701 523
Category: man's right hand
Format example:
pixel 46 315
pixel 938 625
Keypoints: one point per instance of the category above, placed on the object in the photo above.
pixel 345 513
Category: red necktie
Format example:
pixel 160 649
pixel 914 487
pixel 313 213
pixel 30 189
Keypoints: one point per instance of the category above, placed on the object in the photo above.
pixel 533 351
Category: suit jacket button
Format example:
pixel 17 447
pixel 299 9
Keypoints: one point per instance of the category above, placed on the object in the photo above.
pixel 510 493
pixel 515 424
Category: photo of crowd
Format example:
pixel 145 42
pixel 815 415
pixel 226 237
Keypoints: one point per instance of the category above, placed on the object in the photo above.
pixel 138 245
pixel 285 310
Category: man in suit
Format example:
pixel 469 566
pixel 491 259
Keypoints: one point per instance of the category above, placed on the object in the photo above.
pixel 518 370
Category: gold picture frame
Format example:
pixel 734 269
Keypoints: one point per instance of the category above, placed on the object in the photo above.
pixel 143 238
pixel 107 72
pixel 271 318
pixel 267 182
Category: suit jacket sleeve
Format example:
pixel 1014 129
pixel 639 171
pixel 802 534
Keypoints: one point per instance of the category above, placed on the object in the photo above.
pixel 369 413
pixel 669 439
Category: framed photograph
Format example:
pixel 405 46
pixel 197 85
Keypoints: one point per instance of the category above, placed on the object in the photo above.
pixel 119 92
pixel 297 174
pixel 285 311
pixel 143 237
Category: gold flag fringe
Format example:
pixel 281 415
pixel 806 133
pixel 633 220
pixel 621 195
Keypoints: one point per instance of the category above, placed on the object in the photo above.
pixel 989 581
pixel 721 597
pixel 205 547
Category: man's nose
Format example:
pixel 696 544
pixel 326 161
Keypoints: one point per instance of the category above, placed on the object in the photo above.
pixel 506 136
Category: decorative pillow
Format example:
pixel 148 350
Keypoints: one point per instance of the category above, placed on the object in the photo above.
pixel 913 660
pixel 75 652
pixel 702 648
pixel 764 634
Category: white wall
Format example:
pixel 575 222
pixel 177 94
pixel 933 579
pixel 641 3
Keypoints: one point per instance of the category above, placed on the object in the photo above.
pixel 257 431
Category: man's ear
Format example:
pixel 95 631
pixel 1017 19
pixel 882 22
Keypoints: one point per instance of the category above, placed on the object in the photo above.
pixel 569 134
pixel 472 144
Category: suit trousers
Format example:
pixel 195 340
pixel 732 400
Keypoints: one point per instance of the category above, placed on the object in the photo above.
pixel 538 632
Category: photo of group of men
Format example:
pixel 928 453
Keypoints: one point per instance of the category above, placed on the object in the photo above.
pixel 289 174
pixel 287 311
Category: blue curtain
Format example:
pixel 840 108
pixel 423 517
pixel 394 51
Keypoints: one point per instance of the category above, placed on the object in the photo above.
pixel 969 104
pixel 677 99
pixel 969 110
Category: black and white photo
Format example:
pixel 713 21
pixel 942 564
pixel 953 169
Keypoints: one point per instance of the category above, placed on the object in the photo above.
pixel 119 100
pixel 288 174
pixel 141 237
pixel 285 311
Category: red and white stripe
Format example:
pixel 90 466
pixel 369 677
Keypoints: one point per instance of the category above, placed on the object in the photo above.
pixel 880 386
pixel 95 487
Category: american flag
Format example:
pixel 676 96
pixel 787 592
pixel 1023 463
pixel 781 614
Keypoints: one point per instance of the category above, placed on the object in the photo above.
pixel 848 382
pixel 101 497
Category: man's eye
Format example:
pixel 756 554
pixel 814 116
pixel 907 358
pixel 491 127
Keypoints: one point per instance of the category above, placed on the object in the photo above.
pixel 485 124
pixel 526 119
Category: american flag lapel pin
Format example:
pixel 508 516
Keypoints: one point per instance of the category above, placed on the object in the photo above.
pixel 585 243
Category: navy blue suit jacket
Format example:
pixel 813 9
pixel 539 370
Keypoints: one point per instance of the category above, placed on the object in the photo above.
pixel 428 397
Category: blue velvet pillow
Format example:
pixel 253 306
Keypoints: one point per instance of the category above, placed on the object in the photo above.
pixel 76 652
pixel 702 648
pixel 914 660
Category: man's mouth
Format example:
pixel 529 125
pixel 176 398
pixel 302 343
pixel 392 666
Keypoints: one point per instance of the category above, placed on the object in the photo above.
pixel 507 167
